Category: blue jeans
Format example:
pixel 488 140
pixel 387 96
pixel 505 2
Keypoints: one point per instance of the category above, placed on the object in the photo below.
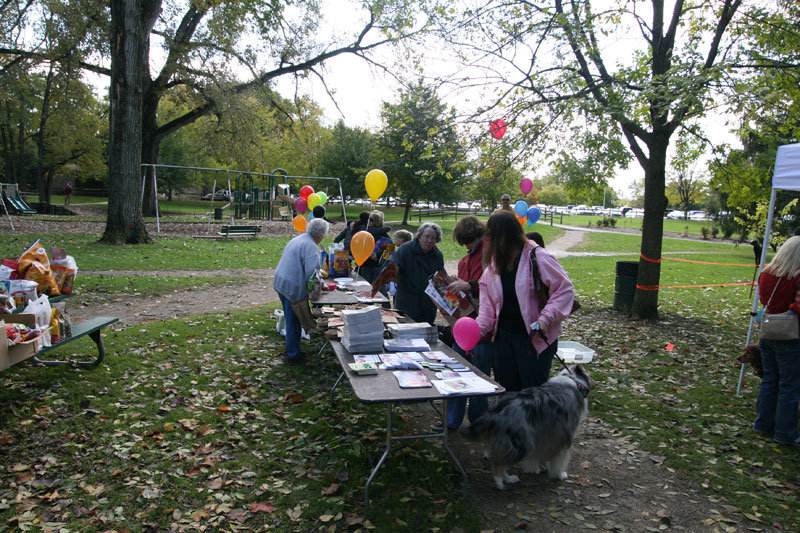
pixel 514 368
pixel 293 328
pixel 776 407
pixel 483 358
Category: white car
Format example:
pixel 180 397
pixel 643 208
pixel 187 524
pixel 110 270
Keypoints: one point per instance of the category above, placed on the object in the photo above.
pixel 698 215
pixel 676 215
pixel 635 213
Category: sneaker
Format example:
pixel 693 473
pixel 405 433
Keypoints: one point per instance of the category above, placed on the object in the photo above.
pixel 793 443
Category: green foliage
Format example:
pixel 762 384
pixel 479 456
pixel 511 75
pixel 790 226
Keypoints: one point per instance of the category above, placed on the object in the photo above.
pixel 348 154
pixel 420 147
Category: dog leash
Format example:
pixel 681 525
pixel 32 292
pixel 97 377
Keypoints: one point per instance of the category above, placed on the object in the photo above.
pixel 583 389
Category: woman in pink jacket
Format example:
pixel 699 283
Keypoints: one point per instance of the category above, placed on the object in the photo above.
pixel 525 335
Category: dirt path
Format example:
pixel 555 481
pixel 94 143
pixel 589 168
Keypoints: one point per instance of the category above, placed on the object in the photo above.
pixel 613 485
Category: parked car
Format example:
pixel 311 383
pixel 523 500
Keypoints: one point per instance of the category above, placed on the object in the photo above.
pixel 219 194
pixel 635 213
pixel 698 215
pixel 677 214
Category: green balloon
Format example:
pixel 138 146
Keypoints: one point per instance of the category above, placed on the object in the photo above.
pixel 323 198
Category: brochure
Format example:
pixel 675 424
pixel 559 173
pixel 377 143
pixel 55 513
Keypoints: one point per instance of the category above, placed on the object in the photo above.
pixel 406 345
pixel 399 361
pixel 463 385
pixel 364 369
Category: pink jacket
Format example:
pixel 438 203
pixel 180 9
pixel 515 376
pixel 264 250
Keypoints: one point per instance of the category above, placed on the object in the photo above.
pixel 558 305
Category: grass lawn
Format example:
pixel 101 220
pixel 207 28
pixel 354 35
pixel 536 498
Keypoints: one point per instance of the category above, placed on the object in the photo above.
pixel 196 422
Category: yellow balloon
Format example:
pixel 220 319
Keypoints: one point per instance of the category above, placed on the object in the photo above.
pixel 313 200
pixel 375 183
pixel 361 246
pixel 299 223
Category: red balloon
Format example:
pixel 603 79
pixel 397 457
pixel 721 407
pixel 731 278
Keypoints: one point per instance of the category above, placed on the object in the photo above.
pixel 305 191
pixel 498 128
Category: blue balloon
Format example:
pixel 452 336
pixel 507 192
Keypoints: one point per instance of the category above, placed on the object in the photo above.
pixel 533 215
pixel 521 208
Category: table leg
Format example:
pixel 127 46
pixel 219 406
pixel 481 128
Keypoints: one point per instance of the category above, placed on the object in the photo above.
pixel 319 353
pixel 446 444
pixel 333 389
pixel 383 457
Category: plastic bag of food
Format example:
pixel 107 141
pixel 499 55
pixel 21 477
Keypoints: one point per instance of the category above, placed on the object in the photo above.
pixel 7 304
pixel 65 270
pixel 60 323
pixel 22 290
pixel 8 269
pixel 41 310
pixel 35 266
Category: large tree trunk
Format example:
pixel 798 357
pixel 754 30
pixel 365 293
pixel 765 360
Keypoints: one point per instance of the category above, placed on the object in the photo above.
pixel 150 146
pixel 131 22
pixel 41 180
pixel 645 301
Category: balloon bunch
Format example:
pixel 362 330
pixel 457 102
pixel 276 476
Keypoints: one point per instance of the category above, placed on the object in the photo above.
pixel 310 201
pixel 526 214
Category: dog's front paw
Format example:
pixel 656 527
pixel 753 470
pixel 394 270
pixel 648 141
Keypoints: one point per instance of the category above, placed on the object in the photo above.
pixel 498 481
pixel 511 479
pixel 562 476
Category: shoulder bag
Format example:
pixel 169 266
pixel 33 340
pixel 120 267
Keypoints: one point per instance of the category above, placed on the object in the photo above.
pixel 542 290
pixel 779 326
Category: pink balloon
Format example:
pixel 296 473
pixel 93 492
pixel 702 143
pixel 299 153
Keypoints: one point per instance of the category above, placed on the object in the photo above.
pixel 467 333
pixel 301 205
pixel 526 185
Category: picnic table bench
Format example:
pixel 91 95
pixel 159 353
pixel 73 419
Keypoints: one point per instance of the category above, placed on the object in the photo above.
pixel 92 327
pixel 252 231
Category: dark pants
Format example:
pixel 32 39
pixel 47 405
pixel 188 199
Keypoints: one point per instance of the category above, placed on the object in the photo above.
pixel 293 328
pixel 516 369
pixel 483 358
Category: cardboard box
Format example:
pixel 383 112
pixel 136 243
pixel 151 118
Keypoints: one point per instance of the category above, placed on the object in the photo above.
pixel 11 355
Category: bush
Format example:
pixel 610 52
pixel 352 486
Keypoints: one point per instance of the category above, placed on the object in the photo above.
pixel 612 222
pixel 714 232
pixel 743 234
pixel 704 231
pixel 728 226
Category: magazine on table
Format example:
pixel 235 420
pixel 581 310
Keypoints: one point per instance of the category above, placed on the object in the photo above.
pixel 464 384
pixel 411 379
pixel 399 361
pixel 366 358
pixel 448 302
pixel 440 357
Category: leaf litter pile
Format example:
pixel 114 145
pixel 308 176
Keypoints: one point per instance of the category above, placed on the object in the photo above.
pixel 196 424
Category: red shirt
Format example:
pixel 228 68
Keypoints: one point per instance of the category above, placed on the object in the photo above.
pixel 784 297
pixel 470 269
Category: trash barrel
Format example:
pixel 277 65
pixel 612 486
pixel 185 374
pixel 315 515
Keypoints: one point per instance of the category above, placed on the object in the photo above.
pixel 625 284
pixel 217 213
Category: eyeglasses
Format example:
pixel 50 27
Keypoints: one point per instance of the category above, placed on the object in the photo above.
pixel 427 237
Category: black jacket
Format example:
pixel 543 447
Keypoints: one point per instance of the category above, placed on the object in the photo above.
pixel 414 268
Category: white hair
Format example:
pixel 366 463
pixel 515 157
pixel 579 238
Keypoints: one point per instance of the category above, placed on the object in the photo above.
pixel 317 228
pixel 436 229
pixel 786 262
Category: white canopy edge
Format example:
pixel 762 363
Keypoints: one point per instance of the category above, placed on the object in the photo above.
pixel 787 168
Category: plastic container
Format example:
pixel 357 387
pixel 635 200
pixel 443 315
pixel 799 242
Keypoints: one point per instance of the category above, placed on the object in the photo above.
pixel 574 352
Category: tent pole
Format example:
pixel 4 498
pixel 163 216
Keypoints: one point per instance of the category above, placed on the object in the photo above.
pixel 762 262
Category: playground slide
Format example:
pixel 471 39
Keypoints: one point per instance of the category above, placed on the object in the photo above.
pixel 18 205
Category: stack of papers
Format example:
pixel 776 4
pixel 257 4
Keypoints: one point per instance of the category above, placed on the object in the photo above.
pixel 363 330
pixel 418 330
pixel 406 345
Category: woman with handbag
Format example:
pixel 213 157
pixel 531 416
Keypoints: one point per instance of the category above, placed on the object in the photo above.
pixel 776 407
pixel 299 260
pixel 523 326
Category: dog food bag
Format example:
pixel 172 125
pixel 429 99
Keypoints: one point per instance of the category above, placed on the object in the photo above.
pixel 65 271
pixel 22 290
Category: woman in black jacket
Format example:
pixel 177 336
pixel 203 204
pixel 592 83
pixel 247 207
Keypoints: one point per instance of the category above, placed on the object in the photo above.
pixel 416 261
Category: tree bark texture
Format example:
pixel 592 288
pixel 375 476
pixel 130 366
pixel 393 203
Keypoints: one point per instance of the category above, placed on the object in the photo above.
pixel 42 185
pixel 131 23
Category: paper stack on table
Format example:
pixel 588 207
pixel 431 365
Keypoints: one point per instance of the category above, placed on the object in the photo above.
pixel 467 382
pixel 406 345
pixel 415 330
pixel 363 330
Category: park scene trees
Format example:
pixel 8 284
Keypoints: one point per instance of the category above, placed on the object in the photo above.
pixel 588 90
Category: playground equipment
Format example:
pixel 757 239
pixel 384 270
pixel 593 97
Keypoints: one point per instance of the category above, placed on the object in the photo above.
pixel 11 196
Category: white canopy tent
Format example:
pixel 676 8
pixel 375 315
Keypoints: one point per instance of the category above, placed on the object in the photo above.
pixel 786 177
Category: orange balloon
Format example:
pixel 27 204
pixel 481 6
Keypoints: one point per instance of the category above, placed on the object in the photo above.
pixel 361 246
pixel 299 223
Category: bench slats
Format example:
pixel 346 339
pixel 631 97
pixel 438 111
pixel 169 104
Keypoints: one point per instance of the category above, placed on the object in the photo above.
pixel 239 230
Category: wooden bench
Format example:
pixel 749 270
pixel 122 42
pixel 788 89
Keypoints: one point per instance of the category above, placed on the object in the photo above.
pixel 92 328
pixel 252 231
